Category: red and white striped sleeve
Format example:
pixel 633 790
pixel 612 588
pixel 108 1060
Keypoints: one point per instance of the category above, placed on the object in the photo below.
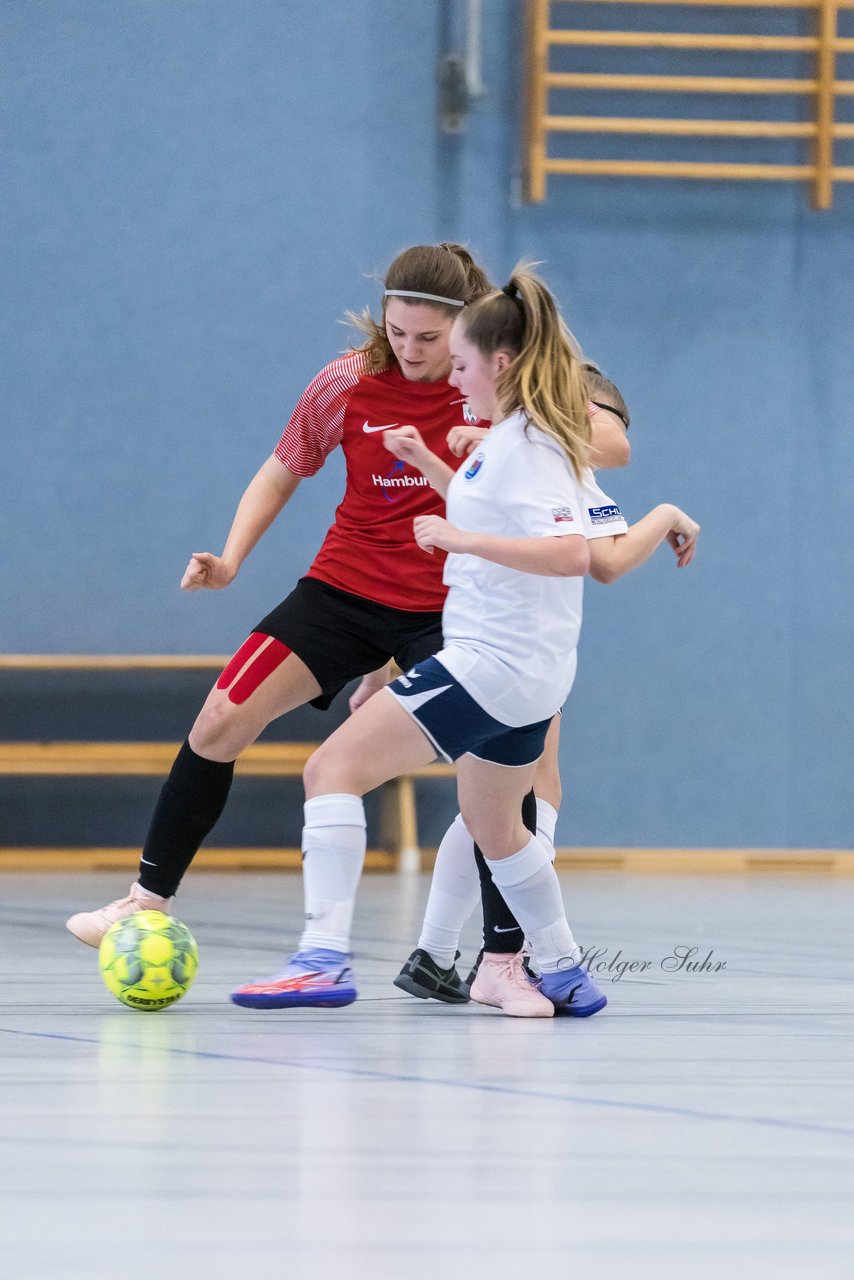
pixel 317 422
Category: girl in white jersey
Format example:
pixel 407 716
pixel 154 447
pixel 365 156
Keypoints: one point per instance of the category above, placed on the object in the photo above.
pixel 525 522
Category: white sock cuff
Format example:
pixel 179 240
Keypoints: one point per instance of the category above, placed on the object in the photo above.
pixel 519 866
pixel 335 811
pixel 546 818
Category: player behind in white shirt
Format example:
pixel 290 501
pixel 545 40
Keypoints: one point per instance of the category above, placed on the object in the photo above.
pixel 525 523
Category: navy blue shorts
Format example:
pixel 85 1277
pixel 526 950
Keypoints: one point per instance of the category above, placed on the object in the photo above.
pixel 457 725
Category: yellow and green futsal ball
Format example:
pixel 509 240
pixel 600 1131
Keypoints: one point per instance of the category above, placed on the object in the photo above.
pixel 148 960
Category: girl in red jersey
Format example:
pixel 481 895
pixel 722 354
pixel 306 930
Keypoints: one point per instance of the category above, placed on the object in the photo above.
pixel 368 597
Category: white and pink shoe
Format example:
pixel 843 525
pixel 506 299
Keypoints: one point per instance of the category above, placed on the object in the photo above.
pixel 502 982
pixel 90 926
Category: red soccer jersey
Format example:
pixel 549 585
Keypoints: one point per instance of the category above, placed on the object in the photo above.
pixel 370 550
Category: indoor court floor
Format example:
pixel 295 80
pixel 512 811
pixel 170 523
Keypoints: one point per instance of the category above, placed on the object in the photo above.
pixel 701 1126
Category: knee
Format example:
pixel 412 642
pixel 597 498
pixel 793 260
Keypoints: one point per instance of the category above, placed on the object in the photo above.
pixel 321 775
pixel 217 733
pixel 482 831
pixel 495 838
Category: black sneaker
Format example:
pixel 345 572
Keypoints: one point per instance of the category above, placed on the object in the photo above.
pixel 470 979
pixel 526 965
pixel 422 977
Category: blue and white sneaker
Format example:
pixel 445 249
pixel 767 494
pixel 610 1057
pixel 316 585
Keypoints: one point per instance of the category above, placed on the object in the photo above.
pixel 315 977
pixel 573 992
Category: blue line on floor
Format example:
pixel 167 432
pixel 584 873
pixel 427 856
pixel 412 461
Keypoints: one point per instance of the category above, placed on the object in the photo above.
pixel 507 1091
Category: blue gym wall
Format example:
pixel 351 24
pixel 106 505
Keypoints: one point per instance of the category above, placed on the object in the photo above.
pixel 195 191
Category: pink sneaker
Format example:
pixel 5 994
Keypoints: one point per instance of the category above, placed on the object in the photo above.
pixel 90 926
pixel 501 981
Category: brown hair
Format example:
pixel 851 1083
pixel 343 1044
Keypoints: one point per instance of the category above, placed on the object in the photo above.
pixel 446 270
pixel 603 393
pixel 546 377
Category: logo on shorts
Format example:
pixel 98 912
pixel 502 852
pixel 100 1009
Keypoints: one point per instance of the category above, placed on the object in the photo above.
pixel 475 467
pixel 562 515
pixel 604 515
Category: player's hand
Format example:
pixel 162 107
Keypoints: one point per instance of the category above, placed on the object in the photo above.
pixel 407 444
pixel 206 570
pixel 461 440
pixel 432 532
pixel 683 538
pixel 370 684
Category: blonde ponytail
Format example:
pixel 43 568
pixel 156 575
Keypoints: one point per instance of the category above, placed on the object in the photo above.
pixel 546 377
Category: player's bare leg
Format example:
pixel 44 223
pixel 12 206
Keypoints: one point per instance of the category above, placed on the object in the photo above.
pixel 461 878
pixel 527 880
pixel 254 689
pixel 548 788
pixel 379 742
pixel 492 799
pixel 263 680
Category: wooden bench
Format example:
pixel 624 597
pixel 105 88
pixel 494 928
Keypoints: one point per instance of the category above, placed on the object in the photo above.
pixel 399 819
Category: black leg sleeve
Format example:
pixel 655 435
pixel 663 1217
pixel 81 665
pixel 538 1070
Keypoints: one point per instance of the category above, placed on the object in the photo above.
pixel 502 932
pixel 190 803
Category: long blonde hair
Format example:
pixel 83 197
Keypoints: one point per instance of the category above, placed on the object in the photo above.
pixel 546 376
pixel 446 270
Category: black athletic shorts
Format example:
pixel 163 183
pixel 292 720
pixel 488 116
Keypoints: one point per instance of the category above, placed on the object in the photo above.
pixel 340 637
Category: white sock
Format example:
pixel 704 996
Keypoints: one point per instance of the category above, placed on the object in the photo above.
pixel 546 823
pixel 454 894
pixel 333 843
pixel 529 885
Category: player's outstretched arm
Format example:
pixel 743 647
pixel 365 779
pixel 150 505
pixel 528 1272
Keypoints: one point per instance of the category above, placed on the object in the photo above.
pixel 609 443
pixel 611 558
pixel 564 557
pixel 265 496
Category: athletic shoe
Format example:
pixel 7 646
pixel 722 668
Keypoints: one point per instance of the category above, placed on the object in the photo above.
pixel 473 971
pixel 422 977
pixel 315 977
pixel 501 981
pixel 573 991
pixel 90 926
pixel 526 965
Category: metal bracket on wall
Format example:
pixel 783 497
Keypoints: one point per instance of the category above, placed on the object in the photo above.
pixel 454 97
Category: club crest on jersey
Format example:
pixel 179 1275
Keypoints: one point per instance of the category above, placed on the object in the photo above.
pixel 475 467
pixel 562 515
pixel 604 515
pixel 469 417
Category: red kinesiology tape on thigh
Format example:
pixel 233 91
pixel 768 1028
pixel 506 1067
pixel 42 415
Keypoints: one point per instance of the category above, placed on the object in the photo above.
pixel 240 659
pixel 261 666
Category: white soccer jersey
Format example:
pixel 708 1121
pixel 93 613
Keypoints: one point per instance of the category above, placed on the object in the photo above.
pixel 511 637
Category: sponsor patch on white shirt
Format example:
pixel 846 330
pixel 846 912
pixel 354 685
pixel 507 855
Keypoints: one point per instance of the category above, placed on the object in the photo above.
pixel 604 515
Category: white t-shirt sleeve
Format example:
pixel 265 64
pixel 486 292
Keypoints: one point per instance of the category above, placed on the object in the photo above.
pixel 542 496
pixel 601 516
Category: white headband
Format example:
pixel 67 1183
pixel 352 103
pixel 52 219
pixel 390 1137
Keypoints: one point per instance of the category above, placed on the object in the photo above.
pixel 427 297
